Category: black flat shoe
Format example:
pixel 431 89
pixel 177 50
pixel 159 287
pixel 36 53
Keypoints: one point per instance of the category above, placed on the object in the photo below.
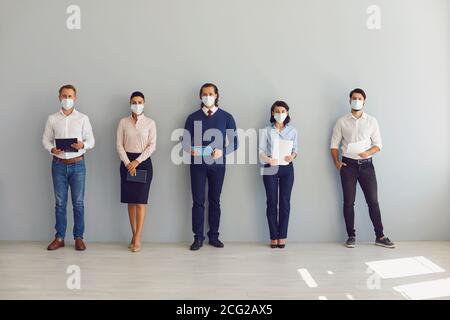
pixel 273 246
pixel 281 246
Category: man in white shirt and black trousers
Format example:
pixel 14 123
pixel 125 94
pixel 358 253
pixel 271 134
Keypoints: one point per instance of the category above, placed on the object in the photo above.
pixel 360 137
pixel 68 168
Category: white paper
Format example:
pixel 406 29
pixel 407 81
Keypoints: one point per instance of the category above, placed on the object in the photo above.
pixel 281 149
pixel 358 147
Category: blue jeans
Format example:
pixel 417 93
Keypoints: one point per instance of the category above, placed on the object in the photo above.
pixel 65 175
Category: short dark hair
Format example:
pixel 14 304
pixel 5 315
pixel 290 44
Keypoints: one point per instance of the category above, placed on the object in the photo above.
pixel 67 86
pixel 216 91
pixel 283 104
pixel 137 94
pixel 358 90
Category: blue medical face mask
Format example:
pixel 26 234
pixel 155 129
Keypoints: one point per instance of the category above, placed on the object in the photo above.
pixel 280 117
pixel 137 108
pixel 67 103
pixel 357 104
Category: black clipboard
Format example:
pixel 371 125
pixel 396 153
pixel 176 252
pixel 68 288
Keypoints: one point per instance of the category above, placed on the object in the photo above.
pixel 65 144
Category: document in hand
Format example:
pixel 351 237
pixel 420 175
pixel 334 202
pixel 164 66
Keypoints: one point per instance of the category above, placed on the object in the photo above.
pixel 141 176
pixel 281 149
pixel 358 147
pixel 203 151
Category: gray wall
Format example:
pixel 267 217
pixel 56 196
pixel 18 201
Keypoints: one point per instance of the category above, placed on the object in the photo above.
pixel 309 53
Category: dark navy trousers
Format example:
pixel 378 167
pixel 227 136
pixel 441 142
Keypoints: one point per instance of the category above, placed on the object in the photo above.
pixel 278 184
pixel 213 174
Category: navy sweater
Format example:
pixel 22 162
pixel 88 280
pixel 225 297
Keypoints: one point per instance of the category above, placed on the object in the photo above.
pixel 224 125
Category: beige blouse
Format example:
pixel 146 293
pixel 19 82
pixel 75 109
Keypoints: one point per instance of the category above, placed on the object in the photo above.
pixel 136 138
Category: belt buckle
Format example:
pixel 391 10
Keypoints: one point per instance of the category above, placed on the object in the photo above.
pixel 363 161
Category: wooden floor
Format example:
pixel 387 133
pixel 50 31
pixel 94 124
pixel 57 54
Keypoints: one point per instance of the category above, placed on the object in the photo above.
pixel 238 271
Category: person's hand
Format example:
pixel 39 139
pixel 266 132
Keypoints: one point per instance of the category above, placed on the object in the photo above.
pixel 364 154
pixel 133 172
pixel 132 166
pixel 339 164
pixel 79 145
pixel 273 162
pixel 56 151
pixel 194 153
pixel 289 158
pixel 217 153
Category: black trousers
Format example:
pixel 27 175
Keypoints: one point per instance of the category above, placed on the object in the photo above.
pixel 364 173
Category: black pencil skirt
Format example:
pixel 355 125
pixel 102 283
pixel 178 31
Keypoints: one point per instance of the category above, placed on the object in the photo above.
pixel 135 192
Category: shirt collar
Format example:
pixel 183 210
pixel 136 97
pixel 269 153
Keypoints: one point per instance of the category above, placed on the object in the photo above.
pixel 286 126
pixel 213 109
pixel 139 117
pixel 351 116
pixel 74 112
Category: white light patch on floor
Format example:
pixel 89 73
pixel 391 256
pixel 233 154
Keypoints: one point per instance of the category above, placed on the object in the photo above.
pixel 306 276
pixel 323 298
pixel 349 296
pixel 330 272
pixel 404 267
pixel 425 290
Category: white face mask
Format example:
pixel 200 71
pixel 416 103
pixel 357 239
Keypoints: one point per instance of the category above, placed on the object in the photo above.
pixel 137 108
pixel 280 117
pixel 208 101
pixel 67 103
pixel 357 104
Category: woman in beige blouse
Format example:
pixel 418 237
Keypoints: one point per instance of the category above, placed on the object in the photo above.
pixel 136 142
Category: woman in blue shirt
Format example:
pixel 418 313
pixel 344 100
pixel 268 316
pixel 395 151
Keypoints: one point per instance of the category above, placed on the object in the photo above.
pixel 278 174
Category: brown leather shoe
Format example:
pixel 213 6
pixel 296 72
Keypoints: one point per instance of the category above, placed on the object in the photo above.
pixel 79 244
pixel 56 244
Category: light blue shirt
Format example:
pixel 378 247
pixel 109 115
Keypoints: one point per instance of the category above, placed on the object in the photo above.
pixel 270 133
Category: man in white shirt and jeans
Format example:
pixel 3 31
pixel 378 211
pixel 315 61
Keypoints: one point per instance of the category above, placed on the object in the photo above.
pixel 68 168
pixel 360 137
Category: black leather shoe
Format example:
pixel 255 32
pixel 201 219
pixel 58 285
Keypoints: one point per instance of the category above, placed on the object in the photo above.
pixel 197 244
pixel 281 246
pixel 216 243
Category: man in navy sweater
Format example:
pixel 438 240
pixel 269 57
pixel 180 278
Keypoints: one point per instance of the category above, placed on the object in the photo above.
pixel 205 138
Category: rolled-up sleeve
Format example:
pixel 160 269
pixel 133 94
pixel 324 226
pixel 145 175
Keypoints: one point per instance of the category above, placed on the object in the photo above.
pixel 263 142
pixel 88 135
pixel 48 138
pixel 295 142
pixel 336 137
pixel 376 135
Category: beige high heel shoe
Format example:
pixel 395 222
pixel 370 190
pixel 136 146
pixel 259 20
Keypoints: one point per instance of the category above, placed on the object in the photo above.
pixel 136 249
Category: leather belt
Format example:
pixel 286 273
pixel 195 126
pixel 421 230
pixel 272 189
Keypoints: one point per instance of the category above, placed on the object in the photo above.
pixel 68 161
pixel 356 161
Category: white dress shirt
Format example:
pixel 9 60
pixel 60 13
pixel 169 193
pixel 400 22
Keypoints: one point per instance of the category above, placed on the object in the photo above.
pixel 75 125
pixel 349 129
pixel 213 109
pixel 269 134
